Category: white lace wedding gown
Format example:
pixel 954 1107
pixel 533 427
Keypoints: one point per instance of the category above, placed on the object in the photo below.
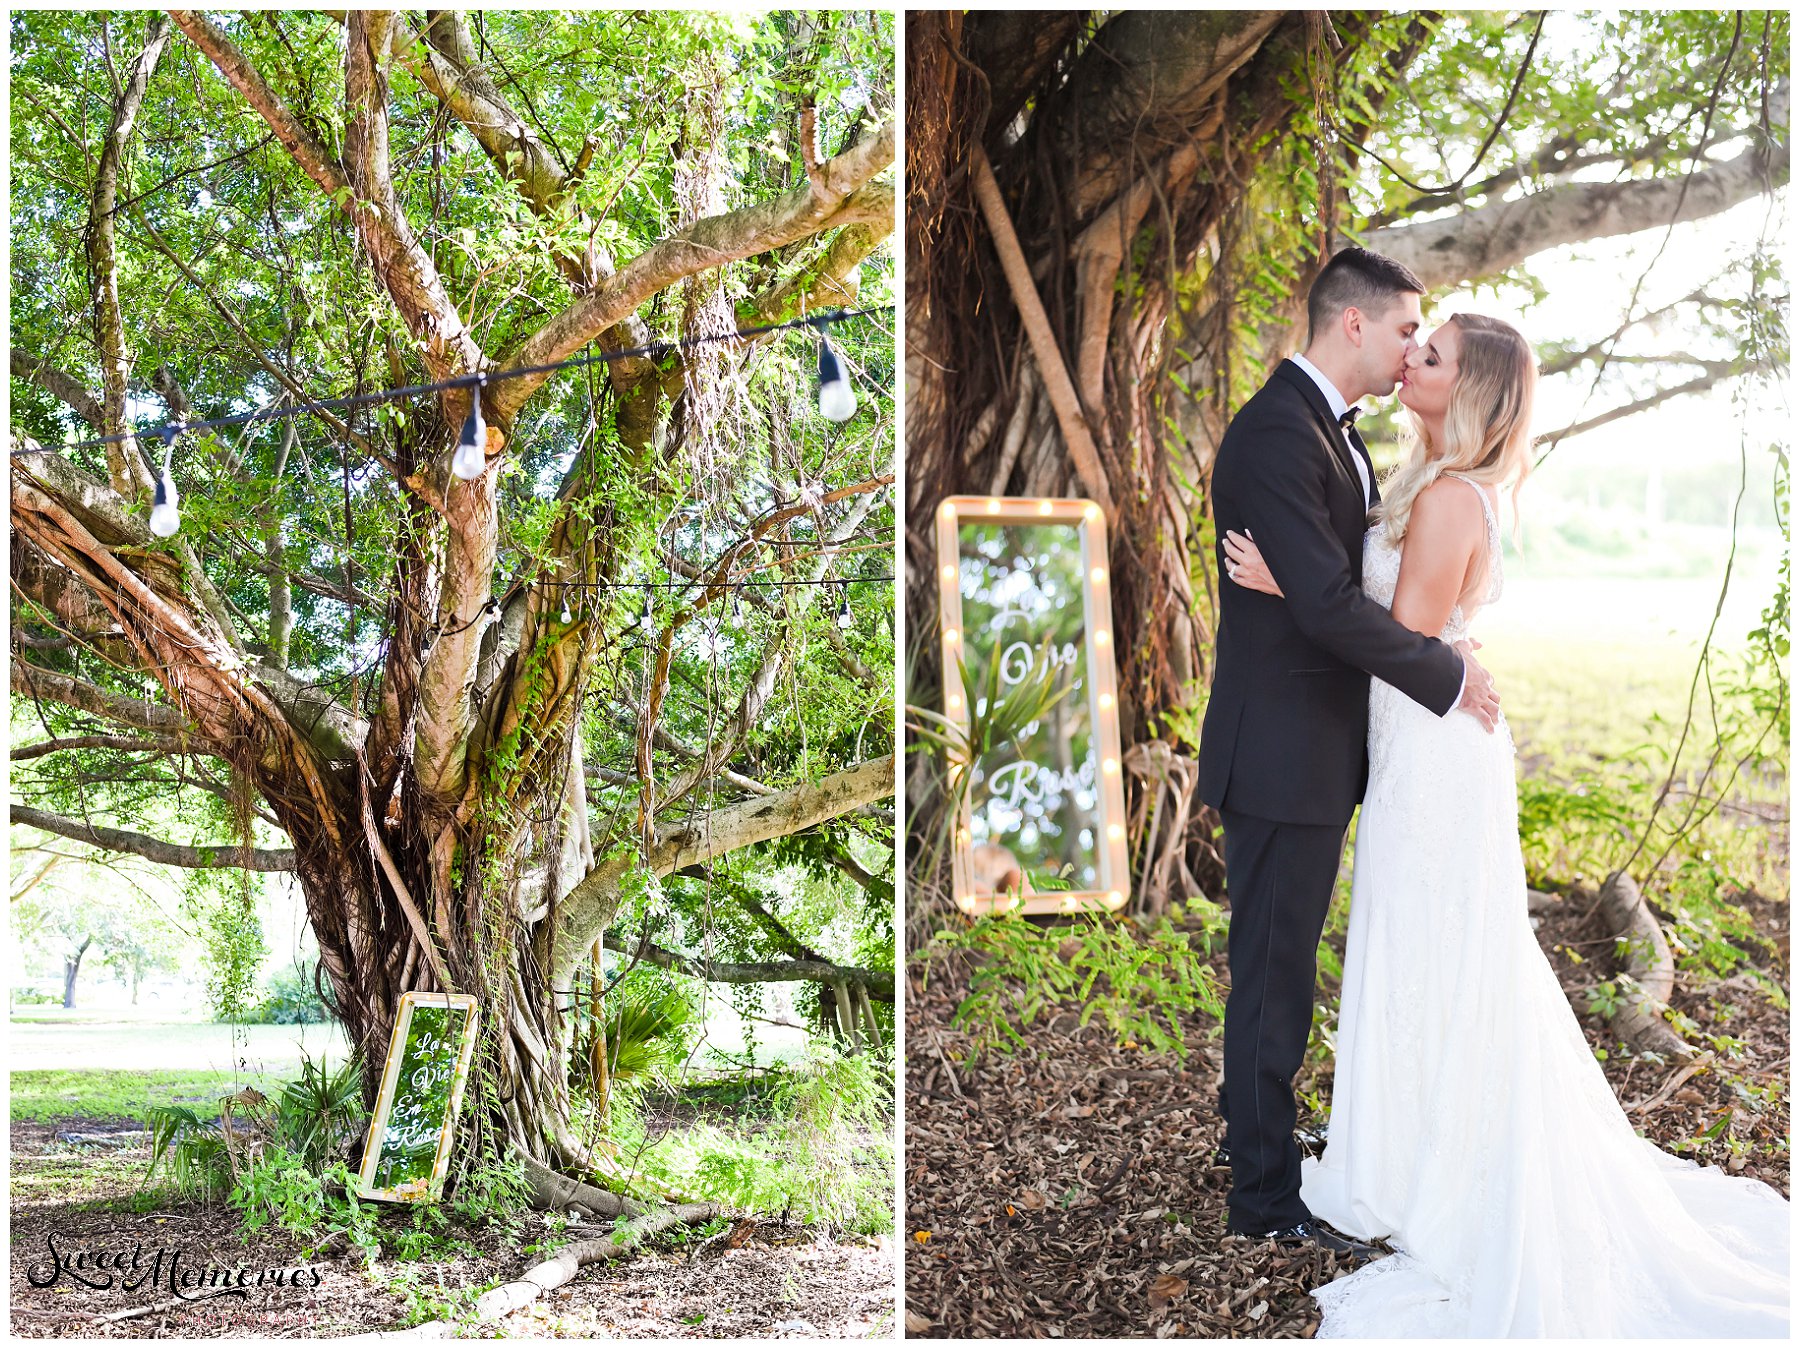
pixel 1470 1122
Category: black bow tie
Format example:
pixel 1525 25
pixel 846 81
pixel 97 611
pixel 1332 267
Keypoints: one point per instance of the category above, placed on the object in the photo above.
pixel 1348 420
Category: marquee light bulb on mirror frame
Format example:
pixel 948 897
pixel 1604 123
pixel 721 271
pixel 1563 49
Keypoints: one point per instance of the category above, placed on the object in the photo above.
pixel 1108 880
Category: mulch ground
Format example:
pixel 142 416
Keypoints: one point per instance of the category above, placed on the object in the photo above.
pixel 783 1281
pixel 1071 1193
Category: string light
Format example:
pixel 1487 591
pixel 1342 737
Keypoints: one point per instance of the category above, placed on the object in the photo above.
pixel 471 449
pixel 845 619
pixel 316 405
pixel 837 400
pixel 649 614
pixel 165 507
pixel 566 616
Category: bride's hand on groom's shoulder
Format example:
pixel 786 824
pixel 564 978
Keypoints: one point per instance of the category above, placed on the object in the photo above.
pixel 1244 563
pixel 1480 699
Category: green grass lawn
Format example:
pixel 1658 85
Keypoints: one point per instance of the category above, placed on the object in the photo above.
pixel 49 1095
pixel 99 1066
pixel 1586 668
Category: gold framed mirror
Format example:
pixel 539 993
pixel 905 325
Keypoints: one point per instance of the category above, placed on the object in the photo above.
pixel 1025 608
pixel 410 1133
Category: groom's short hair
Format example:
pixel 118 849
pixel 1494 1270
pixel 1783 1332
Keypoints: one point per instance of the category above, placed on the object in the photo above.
pixel 1356 279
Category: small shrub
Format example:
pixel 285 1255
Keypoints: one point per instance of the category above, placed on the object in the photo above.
pixel 840 1154
pixel 191 1150
pixel 292 999
pixel 320 1113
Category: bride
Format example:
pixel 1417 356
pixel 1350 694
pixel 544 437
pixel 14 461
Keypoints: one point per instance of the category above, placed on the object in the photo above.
pixel 1470 1124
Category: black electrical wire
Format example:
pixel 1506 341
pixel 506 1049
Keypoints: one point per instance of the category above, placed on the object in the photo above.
pixel 169 430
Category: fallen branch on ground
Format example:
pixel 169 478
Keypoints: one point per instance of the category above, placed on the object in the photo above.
pixel 553 1273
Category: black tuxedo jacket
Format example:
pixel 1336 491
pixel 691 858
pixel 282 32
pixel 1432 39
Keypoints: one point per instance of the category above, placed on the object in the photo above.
pixel 1286 729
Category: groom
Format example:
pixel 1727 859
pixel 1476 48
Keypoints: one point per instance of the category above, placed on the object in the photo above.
pixel 1283 752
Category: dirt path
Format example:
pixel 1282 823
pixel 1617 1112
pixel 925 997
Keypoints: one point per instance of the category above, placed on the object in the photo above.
pixel 1072 1194
pixel 782 1282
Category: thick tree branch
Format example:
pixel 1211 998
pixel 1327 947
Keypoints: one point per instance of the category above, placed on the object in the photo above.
pixel 708 243
pixel 403 266
pixel 156 744
pixel 31 681
pixel 1489 239
pixel 880 983
pixel 62 386
pixel 155 849
pixel 446 63
pixel 591 904
pixel 1699 385
pixel 314 159
pixel 124 464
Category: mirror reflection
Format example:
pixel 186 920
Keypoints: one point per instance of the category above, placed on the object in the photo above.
pixel 1035 795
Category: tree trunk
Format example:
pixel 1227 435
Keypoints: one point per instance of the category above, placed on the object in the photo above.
pixel 72 968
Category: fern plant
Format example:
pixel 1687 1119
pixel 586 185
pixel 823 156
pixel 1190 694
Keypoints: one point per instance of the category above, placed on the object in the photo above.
pixel 191 1150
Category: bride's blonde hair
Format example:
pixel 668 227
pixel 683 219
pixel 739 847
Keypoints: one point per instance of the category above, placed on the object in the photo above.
pixel 1487 425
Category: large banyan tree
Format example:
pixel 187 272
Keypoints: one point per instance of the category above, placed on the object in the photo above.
pixel 1113 218
pixel 483 722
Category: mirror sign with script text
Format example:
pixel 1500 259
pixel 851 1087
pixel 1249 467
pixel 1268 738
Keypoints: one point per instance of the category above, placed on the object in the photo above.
pixel 1023 582
pixel 421 1092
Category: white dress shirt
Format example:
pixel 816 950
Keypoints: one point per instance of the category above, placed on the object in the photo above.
pixel 1339 406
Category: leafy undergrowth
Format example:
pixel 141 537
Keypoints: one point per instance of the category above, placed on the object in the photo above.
pixel 1069 1191
pixel 80 1181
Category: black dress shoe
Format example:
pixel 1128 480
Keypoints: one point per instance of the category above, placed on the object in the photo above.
pixel 1312 1232
pixel 1311 1141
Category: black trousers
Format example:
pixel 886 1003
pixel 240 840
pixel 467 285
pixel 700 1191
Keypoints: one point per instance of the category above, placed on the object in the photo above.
pixel 1280 878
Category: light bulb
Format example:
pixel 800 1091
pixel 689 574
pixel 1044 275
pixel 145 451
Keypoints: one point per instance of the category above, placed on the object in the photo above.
pixel 567 617
pixel 993 505
pixel 649 612
pixel 1111 766
pixel 1098 574
pixel 1045 507
pixel 1115 898
pixel 471 449
pixel 837 400
pixel 165 507
pixel 845 619
pixel 951 636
